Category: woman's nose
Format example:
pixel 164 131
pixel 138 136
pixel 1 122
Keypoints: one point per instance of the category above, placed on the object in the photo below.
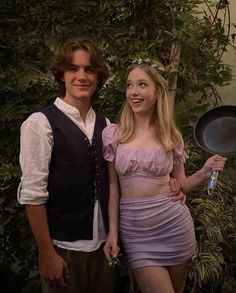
pixel 134 90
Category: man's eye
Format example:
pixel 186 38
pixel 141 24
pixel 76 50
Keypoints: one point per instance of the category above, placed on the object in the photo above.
pixel 90 70
pixel 72 68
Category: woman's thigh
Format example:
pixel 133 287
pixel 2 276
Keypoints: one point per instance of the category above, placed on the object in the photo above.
pixel 154 279
pixel 178 274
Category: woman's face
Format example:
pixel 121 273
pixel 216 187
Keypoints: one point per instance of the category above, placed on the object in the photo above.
pixel 141 92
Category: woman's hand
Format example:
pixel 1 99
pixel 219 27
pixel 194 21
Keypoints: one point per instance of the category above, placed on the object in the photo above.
pixel 214 163
pixel 111 248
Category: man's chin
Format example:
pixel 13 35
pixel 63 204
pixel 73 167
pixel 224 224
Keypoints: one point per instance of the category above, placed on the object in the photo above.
pixel 83 96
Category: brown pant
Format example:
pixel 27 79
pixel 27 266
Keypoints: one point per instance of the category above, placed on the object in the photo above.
pixel 89 273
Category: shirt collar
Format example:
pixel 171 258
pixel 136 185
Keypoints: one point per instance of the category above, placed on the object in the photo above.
pixel 72 111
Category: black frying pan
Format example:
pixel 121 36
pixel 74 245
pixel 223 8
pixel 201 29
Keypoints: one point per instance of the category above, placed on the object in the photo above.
pixel 215 132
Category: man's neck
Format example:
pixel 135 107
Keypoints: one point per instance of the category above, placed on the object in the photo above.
pixel 82 105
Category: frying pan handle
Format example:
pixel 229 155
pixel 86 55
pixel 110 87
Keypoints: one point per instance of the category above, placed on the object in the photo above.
pixel 212 183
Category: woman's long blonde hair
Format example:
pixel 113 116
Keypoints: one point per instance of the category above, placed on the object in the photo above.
pixel 162 117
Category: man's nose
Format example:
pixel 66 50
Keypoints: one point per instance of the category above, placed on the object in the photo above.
pixel 81 73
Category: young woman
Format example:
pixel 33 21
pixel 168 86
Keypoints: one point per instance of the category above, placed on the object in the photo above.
pixel 144 148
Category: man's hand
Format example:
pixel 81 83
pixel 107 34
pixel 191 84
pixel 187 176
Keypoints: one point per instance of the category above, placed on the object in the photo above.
pixel 55 270
pixel 177 193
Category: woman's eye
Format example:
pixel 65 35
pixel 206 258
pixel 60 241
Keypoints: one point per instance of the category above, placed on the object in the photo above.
pixel 143 84
pixel 129 85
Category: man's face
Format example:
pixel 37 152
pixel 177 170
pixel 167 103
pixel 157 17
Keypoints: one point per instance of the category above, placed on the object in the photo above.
pixel 81 79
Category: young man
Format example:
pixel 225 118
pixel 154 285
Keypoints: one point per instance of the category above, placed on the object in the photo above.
pixel 64 182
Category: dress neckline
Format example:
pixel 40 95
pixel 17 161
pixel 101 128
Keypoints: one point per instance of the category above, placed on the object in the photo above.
pixel 148 149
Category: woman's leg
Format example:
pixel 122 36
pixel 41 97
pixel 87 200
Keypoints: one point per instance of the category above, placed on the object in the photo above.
pixel 178 276
pixel 154 279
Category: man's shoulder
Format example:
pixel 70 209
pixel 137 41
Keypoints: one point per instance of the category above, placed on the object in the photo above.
pixel 38 114
pixel 34 117
pixel 35 123
pixel 49 108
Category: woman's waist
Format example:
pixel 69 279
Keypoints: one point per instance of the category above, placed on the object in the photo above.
pixel 140 184
pixel 136 177
pixel 144 189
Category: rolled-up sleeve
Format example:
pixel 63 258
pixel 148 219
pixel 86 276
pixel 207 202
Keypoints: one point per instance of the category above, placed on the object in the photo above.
pixel 35 156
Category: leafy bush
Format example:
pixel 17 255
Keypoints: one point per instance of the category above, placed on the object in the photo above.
pixel 189 44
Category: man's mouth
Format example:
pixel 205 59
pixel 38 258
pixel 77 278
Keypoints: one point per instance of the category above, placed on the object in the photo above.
pixel 82 86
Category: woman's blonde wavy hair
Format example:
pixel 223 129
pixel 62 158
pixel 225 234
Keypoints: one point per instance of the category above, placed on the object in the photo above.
pixel 162 117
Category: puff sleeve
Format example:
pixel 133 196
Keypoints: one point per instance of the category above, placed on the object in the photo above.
pixel 109 138
pixel 179 153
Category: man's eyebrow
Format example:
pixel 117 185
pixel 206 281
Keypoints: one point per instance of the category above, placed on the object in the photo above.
pixel 77 66
pixel 73 66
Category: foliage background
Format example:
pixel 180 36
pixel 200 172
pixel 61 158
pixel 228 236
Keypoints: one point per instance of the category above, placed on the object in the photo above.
pixel 30 34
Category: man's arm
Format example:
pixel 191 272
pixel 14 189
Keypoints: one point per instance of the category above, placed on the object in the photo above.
pixel 35 154
pixel 176 188
pixel 54 268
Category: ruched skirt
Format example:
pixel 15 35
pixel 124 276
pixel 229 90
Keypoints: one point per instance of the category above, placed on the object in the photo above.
pixel 156 231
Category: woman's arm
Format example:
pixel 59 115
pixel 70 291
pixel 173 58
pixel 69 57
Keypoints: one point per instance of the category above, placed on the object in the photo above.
pixel 111 248
pixel 214 163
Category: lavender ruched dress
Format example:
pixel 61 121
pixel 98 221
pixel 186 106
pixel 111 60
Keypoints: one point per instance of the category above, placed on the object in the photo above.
pixel 155 230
